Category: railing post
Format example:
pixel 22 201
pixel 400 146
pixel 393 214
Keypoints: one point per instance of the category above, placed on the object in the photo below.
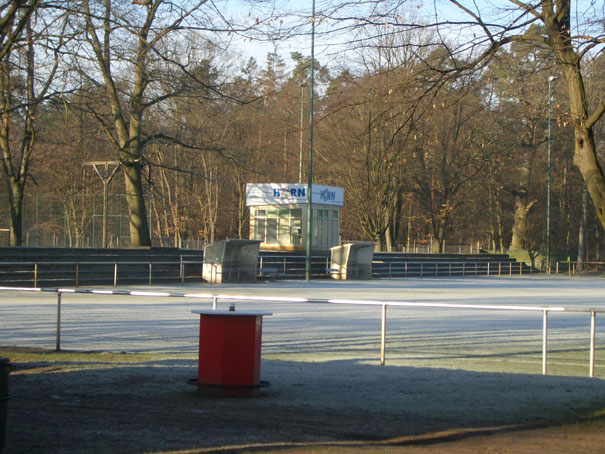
pixel 383 335
pixel 150 272
pixel 214 302
pixel 593 316
pixel 544 341
pixel 77 274
pixel 115 274
pixel 488 269
pixel 35 275
pixel 58 337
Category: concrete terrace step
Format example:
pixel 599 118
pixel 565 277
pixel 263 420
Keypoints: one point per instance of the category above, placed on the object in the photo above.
pixel 25 266
pixel 33 266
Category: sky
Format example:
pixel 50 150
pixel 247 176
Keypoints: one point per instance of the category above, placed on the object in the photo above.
pixel 331 41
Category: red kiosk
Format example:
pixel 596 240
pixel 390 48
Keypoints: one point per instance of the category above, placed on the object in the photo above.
pixel 229 352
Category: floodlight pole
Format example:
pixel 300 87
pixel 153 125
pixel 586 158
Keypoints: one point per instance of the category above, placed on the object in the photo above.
pixel 106 178
pixel 310 159
pixel 548 178
pixel 302 119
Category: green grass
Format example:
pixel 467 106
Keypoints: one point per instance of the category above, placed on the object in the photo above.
pixel 572 362
pixel 72 360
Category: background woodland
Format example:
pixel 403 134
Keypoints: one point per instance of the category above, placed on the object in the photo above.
pixel 425 158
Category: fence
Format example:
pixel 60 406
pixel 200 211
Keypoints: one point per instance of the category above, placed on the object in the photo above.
pixel 428 249
pixel 67 273
pixel 449 269
pixel 574 267
pixel 102 273
pixel 470 268
pixel 214 298
pixel 290 266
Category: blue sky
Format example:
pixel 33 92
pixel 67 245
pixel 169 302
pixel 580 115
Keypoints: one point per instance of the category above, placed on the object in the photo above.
pixel 329 46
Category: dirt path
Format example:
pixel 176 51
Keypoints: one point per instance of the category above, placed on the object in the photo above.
pixel 136 405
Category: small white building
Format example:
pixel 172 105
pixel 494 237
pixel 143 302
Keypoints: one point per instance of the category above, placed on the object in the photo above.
pixel 278 215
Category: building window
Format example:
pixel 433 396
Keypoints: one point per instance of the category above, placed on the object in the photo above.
pixel 260 223
pixel 325 227
pixel 271 236
pixel 296 226
pixel 278 227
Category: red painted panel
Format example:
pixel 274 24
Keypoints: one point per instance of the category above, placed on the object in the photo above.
pixel 230 350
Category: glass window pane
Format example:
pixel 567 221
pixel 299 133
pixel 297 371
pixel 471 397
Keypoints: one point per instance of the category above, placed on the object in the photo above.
pixel 284 231
pixel 296 227
pixel 271 231
pixel 259 229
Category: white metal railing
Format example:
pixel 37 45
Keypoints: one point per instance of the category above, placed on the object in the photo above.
pixel 214 298
pixel 446 268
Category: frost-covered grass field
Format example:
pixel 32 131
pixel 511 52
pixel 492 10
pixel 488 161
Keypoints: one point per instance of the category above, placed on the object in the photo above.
pixel 468 339
pixel 456 380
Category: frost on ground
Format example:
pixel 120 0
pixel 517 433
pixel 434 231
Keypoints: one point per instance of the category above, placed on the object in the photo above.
pixel 141 407
pixel 448 371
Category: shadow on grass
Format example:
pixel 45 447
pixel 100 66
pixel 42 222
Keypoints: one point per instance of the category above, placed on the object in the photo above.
pixel 95 402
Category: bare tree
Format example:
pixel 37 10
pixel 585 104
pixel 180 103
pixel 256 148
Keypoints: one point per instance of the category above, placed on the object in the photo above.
pixel 450 152
pixel 27 70
pixel 145 53
pixel 14 16
pixel 482 31
pixel 520 104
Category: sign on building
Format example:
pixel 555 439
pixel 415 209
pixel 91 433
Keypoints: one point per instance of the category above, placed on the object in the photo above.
pixel 278 215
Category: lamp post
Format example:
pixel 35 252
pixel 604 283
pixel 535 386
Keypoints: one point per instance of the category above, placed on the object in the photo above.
pixel 302 116
pixel 550 80
pixel 310 159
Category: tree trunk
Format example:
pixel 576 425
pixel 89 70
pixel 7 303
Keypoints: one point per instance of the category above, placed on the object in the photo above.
pixel 139 227
pixel 16 190
pixel 388 237
pixel 585 159
pixel 519 238
pixel 241 207
pixel 582 232
pixel 439 237
pixel 568 61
